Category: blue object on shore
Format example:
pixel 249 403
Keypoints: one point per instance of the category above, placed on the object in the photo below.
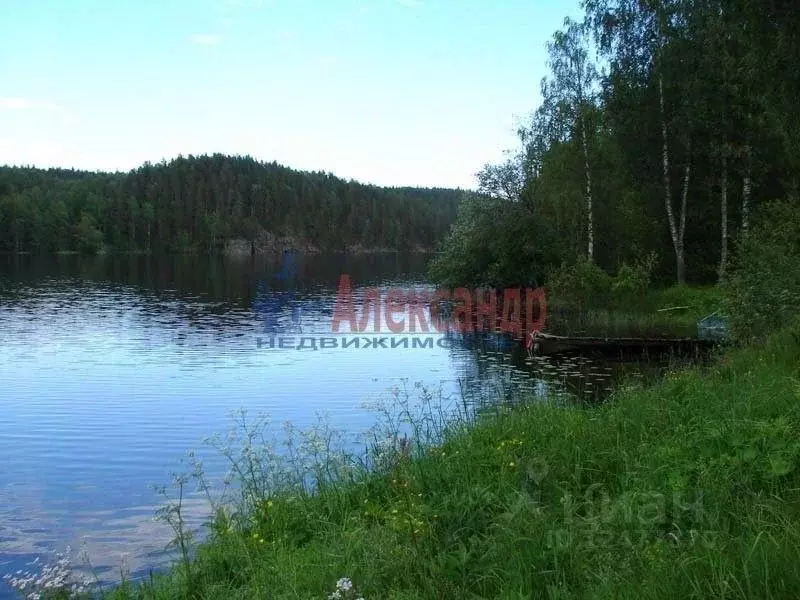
pixel 713 327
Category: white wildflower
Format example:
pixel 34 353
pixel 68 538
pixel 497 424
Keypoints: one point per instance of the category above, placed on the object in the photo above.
pixel 53 578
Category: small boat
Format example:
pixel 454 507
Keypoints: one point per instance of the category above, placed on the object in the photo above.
pixel 714 327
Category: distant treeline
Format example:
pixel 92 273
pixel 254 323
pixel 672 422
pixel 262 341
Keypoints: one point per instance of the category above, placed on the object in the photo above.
pixel 200 203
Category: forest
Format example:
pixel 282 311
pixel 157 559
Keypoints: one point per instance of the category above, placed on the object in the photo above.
pixel 664 127
pixel 201 203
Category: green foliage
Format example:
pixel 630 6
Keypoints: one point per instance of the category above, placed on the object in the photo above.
pixel 580 286
pixel 699 300
pixel 584 300
pixel 763 292
pixel 201 203
pixel 632 282
pixel 686 489
pixel 727 111
pixel 494 243
pixel 667 312
pixel 88 238
pixel 183 243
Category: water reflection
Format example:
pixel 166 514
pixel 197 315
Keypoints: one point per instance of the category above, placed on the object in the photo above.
pixel 111 368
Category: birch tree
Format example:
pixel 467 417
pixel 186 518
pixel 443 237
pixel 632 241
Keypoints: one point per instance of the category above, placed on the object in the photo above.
pixel 732 97
pixel 572 88
pixel 717 98
pixel 638 38
pixel 723 256
pixel 746 191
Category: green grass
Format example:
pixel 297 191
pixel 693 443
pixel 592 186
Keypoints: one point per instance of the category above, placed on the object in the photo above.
pixel 645 317
pixel 689 488
pixel 700 301
pixel 614 323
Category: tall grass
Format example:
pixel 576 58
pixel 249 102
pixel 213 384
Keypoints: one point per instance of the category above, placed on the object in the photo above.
pixel 689 488
pixel 669 312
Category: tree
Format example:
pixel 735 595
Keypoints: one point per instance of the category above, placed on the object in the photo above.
pixel 505 181
pixel 572 89
pixel 88 238
pixel 201 202
pixel 643 43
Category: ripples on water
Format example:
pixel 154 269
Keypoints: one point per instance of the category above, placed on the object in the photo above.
pixel 111 369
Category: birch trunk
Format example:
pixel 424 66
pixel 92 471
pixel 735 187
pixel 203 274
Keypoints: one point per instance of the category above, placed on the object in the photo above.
pixel 665 163
pixel 723 261
pixel 679 254
pixel 589 212
pixel 746 187
pixel 685 195
pixel 677 237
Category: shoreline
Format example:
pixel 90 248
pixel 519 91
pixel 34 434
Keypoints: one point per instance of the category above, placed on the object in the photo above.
pixel 272 251
pixel 505 485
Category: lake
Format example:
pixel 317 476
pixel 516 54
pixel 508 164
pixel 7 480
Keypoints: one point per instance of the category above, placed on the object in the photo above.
pixel 112 368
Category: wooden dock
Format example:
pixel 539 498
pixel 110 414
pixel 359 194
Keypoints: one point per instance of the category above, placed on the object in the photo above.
pixel 545 343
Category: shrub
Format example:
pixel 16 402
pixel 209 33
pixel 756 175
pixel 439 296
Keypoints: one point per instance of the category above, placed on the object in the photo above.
pixel 494 243
pixel 763 291
pixel 580 286
pixel 633 281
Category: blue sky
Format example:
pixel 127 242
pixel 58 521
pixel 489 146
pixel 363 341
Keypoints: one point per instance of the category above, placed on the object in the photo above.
pixel 393 92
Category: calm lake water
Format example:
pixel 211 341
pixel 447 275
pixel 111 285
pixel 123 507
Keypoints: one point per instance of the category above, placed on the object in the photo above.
pixel 112 368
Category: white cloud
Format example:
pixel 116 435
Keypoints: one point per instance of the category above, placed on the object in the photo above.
pixel 206 39
pixel 14 103
pixel 8 103
pixel 410 3
pixel 35 109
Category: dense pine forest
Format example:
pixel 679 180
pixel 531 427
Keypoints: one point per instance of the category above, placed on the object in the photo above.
pixel 206 203
pixel 664 128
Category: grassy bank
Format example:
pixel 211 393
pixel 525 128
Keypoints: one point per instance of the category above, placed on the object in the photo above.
pixel 666 312
pixel 686 489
